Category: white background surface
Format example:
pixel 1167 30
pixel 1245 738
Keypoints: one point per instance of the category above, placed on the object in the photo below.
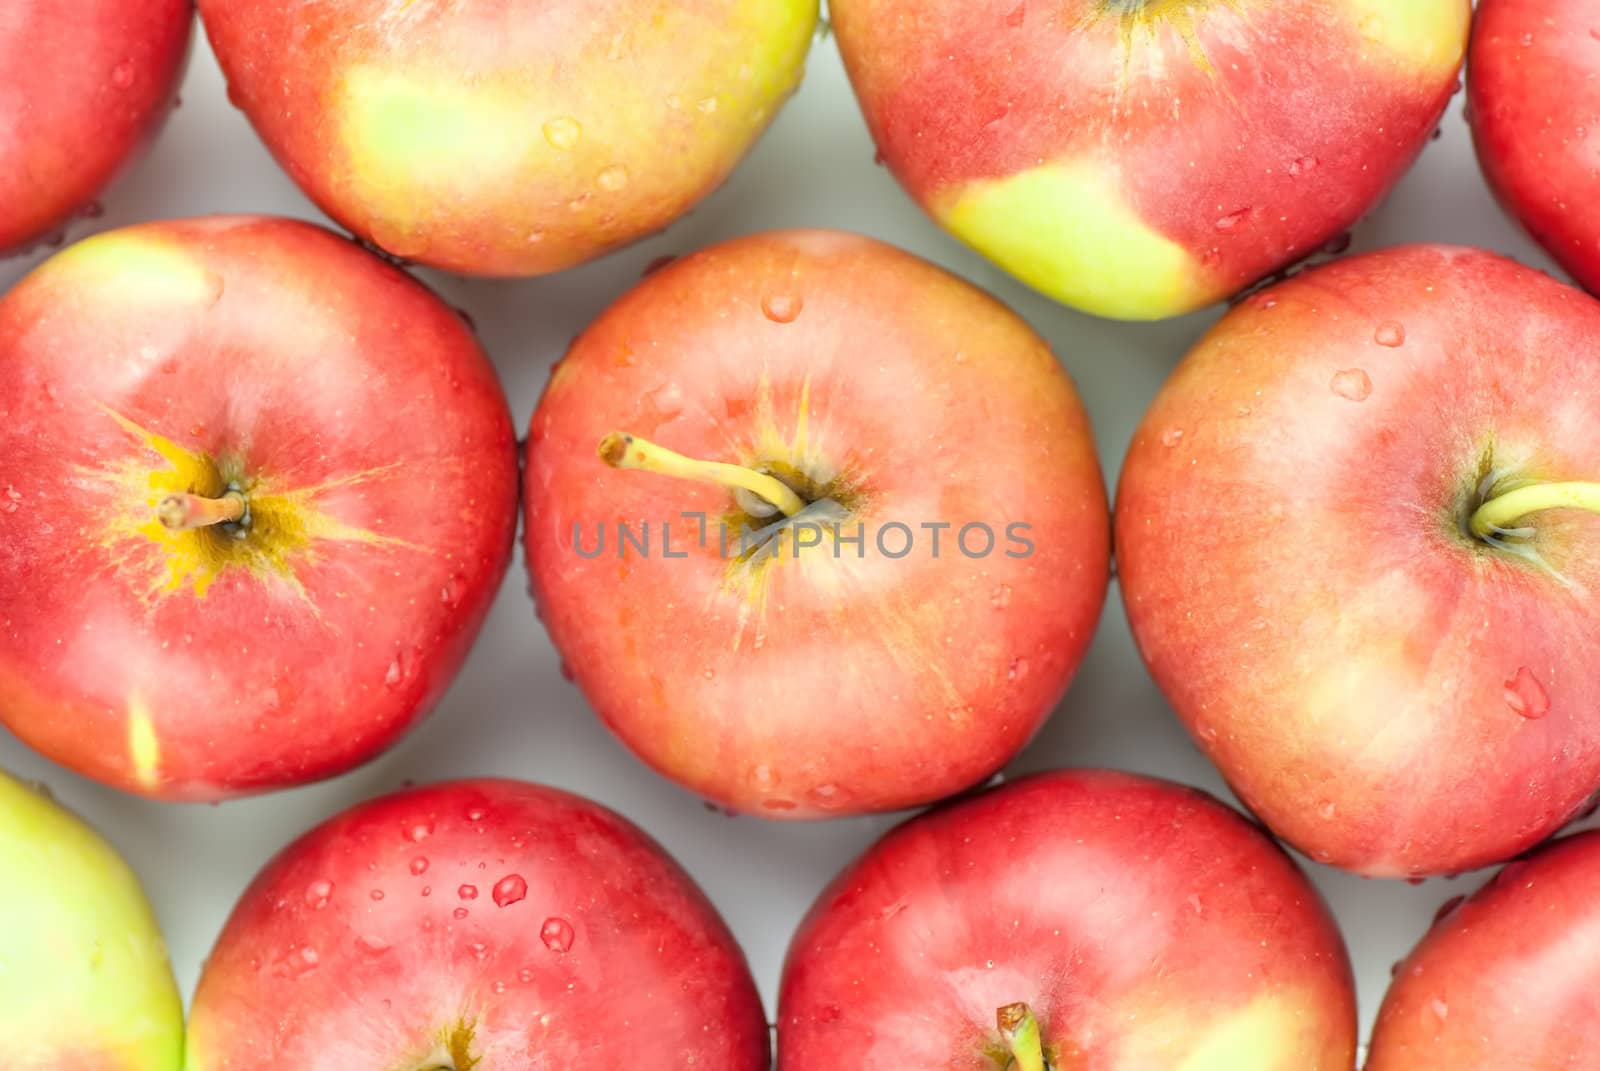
pixel 511 714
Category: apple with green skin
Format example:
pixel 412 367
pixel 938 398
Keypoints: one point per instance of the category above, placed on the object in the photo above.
pixel 879 536
pixel 1507 979
pixel 88 84
pixel 1143 158
pixel 476 926
pixel 259 490
pixel 509 137
pixel 1355 533
pixel 1533 96
pixel 84 979
pixel 1077 919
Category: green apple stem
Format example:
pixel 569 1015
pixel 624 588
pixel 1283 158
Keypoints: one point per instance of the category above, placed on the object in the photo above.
pixel 1506 512
pixel 181 513
pixel 1020 1031
pixel 623 451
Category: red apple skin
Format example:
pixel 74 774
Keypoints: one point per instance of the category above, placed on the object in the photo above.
pixel 1148 927
pixel 1508 980
pixel 490 925
pixel 1389 694
pixel 509 137
pixel 88 84
pixel 821 686
pixel 380 459
pixel 1186 149
pixel 1533 95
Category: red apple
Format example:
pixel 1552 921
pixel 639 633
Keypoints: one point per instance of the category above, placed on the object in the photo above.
pixel 843 398
pixel 87 84
pixel 1508 980
pixel 1348 557
pixel 476 926
pixel 509 137
pixel 1142 158
pixel 259 489
pixel 1092 919
pixel 1533 96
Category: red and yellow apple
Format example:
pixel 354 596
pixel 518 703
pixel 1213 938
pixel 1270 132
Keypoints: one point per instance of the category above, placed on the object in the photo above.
pixel 1356 537
pixel 476 926
pixel 87 84
pixel 1509 979
pixel 84 979
pixel 878 530
pixel 1533 96
pixel 509 137
pixel 1079 919
pixel 259 490
pixel 1143 158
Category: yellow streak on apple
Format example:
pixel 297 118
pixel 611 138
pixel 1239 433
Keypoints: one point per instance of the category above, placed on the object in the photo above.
pixel 286 522
pixel 144 750
pixel 1267 1035
pixel 1427 36
pixel 1083 243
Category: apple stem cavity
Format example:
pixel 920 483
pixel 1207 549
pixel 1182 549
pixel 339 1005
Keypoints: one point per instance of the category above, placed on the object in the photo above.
pixel 1020 1031
pixel 623 451
pixel 1502 516
pixel 184 512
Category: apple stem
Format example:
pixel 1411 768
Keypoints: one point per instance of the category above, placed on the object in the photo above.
pixel 1020 1031
pixel 623 451
pixel 181 513
pixel 1503 514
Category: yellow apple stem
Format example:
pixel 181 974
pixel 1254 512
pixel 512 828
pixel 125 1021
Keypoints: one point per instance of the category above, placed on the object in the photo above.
pixel 1505 513
pixel 1020 1031
pixel 623 451
pixel 180 513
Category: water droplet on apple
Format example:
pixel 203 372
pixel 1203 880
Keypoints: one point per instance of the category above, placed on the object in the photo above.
pixel 1171 437
pixel 762 778
pixel 563 133
pixel 1327 811
pixel 1000 597
pixel 460 913
pixel 419 865
pixel 479 950
pixel 372 946
pixel 419 832
pixel 566 670
pixel 1440 1008
pixel 376 894
pixel 1352 384
pixel 298 962
pixel 318 894
pixel 509 890
pixel 1018 670
pixel 393 676
pixel 557 934
pixel 1526 696
pixel 1447 907
pixel 525 975
pixel 614 178
pixel 1527 40
pixel 9 501
pixel 1390 334
pixel 1303 166
pixel 122 74
pixel 235 96
pixel 1206 731
pixel 782 308
pixel 1233 219
pixel 779 805
pixel 499 987
pixel 427 890
pixel 476 814
pixel 468 892
pixel 707 106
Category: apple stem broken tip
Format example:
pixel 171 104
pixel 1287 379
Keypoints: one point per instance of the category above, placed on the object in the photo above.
pixel 1501 515
pixel 184 512
pixel 623 451
pixel 1019 1029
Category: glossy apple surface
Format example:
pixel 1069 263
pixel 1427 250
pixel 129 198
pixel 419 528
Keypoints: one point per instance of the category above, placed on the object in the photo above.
pixel 352 412
pixel 1143 158
pixel 807 681
pixel 84 979
pixel 1508 980
pixel 509 137
pixel 476 926
pixel 84 84
pixel 1390 692
pixel 1147 926
pixel 1533 95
